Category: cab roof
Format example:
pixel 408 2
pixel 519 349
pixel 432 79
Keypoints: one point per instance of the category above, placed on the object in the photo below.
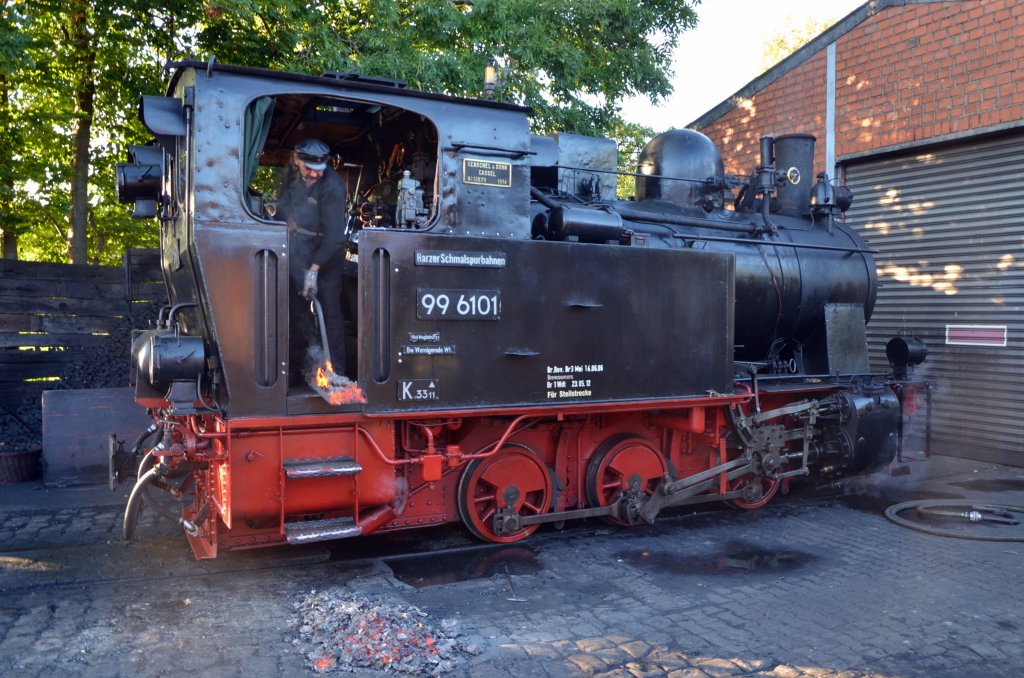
pixel 344 81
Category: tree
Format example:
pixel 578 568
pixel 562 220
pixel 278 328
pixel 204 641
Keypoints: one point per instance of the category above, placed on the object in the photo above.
pixel 572 61
pixel 14 65
pixel 73 99
pixel 73 71
pixel 795 34
pixel 108 53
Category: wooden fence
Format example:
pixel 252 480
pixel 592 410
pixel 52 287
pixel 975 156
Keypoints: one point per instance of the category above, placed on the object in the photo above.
pixel 54 316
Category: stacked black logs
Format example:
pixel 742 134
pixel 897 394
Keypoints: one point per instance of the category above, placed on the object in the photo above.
pixel 103 366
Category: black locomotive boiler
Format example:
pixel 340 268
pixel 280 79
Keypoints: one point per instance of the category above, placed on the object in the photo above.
pixel 525 347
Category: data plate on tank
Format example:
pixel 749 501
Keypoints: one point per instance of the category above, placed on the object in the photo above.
pixel 538 323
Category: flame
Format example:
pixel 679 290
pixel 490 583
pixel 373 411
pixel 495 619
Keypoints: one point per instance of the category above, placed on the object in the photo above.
pixel 350 394
pixel 321 376
pixel 337 389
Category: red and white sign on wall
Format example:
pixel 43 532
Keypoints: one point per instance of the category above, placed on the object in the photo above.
pixel 976 335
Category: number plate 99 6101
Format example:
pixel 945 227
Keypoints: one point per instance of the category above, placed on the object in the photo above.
pixel 458 304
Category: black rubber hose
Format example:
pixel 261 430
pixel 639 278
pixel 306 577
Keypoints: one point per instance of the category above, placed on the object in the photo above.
pixel 137 446
pixel 131 511
pixel 141 493
pixel 158 507
pixel 144 465
pixel 892 513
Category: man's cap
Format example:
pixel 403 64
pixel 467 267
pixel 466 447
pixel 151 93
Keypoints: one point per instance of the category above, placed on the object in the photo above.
pixel 313 153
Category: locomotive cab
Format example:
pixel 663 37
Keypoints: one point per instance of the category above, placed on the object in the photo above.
pixel 224 138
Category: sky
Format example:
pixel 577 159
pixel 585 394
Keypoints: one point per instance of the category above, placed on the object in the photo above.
pixel 723 53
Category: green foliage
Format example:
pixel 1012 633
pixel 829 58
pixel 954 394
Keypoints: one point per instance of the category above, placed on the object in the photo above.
pixel 82 64
pixel 15 60
pixel 795 34
pixel 631 139
pixel 79 63
pixel 572 61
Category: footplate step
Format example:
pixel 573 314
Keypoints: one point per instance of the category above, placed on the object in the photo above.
pixel 321 530
pixel 321 468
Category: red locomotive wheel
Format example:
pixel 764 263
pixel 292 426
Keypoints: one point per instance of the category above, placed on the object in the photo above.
pixel 769 486
pixel 517 478
pixel 621 462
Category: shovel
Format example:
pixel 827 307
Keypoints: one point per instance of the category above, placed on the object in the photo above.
pixel 319 313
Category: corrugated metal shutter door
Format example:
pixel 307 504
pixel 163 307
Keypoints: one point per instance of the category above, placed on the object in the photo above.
pixel 949 224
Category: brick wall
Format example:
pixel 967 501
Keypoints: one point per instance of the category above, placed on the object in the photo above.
pixel 906 74
pixel 789 105
pixel 927 70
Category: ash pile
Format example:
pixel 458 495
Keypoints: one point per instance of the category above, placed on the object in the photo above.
pixel 340 632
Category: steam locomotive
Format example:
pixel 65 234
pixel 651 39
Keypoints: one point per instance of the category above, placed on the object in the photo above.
pixel 526 348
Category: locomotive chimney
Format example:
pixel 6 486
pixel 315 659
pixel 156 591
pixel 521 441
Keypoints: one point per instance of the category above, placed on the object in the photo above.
pixel 794 161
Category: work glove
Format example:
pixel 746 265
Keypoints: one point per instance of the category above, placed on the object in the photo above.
pixel 309 284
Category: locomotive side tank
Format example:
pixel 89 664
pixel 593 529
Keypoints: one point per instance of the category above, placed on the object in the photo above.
pixel 526 347
pixel 792 262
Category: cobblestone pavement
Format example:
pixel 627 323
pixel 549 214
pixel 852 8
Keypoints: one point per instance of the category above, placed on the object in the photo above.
pixel 808 586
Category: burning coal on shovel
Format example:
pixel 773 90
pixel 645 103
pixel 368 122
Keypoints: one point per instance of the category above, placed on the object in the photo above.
pixel 336 389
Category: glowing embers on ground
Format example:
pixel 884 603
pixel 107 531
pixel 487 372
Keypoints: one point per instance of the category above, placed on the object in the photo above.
pixel 341 631
pixel 336 389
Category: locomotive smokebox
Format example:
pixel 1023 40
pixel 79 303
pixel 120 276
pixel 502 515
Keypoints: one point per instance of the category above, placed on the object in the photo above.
pixel 680 166
pixel 794 161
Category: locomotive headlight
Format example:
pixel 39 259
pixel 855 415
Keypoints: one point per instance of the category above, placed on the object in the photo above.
pixel 141 179
pixel 904 351
pixel 164 356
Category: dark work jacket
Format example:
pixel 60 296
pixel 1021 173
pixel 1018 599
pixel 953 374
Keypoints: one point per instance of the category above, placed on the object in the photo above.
pixel 319 209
